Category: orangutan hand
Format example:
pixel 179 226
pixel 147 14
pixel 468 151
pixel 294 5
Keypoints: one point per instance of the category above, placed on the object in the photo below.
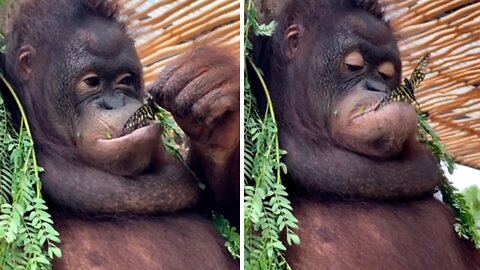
pixel 202 91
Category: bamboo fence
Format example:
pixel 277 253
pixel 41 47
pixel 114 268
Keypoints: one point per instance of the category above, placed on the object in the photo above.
pixel 450 31
pixel 165 28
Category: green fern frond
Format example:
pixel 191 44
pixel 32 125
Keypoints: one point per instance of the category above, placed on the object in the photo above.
pixel 173 135
pixel 268 212
pixel 466 226
pixel 27 237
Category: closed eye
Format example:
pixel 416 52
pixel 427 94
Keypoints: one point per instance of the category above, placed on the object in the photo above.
pixel 354 61
pixel 354 68
pixel 386 70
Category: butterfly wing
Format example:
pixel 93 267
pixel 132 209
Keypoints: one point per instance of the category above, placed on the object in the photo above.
pixel 418 75
pixel 420 70
pixel 405 92
pixel 141 116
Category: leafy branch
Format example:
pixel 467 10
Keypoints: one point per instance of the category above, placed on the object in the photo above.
pixel 268 212
pixel 173 135
pixel 229 233
pixel 27 237
pixel 465 227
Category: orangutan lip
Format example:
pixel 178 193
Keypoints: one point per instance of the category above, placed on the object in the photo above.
pixel 362 110
pixel 372 107
pixel 151 125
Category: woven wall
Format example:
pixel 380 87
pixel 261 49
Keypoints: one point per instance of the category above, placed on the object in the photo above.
pixel 165 28
pixel 450 30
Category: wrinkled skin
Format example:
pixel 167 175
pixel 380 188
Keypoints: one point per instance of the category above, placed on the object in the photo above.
pixel 382 133
pixel 361 182
pixel 119 200
pixel 98 129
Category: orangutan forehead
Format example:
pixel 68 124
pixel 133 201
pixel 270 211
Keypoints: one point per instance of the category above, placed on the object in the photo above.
pixel 367 27
pixel 102 37
pixel 51 17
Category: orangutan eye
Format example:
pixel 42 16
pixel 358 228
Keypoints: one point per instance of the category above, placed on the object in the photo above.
pixel 92 81
pixel 354 67
pixel 88 83
pixel 127 80
pixel 354 61
pixel 386 70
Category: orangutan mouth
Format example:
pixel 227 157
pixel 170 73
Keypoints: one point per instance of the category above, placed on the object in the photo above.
pixel 363 110
pixel 147 131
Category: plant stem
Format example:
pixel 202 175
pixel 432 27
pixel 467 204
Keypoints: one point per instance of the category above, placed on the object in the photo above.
pixel 272 113
pixel 27 127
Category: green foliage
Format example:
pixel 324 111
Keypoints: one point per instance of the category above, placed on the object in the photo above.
pixel 433 142
pixel 268 212
pixel 27 237
pixel 465 226
pixel 229 233
pixel 173 135
pixel 2 46
pixel 472 197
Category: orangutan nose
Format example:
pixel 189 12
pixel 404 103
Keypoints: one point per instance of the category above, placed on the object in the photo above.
pixel 113 101
pixel 372 85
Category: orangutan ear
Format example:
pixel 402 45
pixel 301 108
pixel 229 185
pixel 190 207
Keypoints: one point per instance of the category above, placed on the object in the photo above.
pixel 25 57
pixel 293 35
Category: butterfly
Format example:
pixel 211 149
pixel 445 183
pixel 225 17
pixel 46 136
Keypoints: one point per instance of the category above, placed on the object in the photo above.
pixel 405 92
pixel 141 116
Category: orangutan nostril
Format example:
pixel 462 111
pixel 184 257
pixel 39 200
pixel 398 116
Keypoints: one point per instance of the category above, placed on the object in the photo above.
pixel 376 86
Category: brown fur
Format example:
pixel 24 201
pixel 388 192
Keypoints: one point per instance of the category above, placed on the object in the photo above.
pixel 163 243
pixel 415 235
